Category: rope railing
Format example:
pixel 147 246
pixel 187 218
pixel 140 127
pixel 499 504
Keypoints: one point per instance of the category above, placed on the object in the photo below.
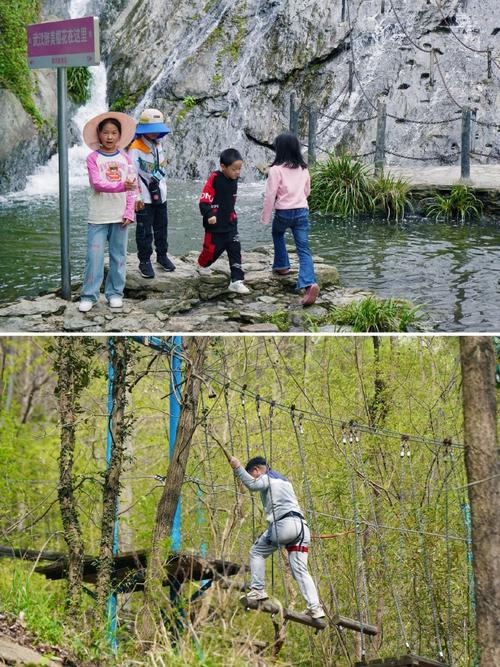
pixel 465 153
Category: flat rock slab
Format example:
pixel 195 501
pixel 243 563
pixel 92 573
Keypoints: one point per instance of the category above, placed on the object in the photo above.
pixel 12 653
pixel 190 300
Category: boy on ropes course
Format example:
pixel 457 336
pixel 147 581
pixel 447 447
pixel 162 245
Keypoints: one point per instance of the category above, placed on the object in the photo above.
pixel 287 528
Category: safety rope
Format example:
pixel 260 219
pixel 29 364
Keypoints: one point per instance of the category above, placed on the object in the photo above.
pixel 281 560
pixel 381 542
pixel 298 428
pixel 425 554
pixel 247 440
pixel 449 638
pixel 361 598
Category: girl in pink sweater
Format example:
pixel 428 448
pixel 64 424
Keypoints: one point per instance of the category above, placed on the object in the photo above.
pixel 287 189
pixel 113 182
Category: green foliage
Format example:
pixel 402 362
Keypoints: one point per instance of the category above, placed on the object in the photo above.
pixel 14 71
pixel 391 195
pixel 460 204
pixel 280 318
pixel 341 185
pixel 372 314
pixel 30 595
pixel 129 100
pixel 188 103
pixel 79 80
pixel 234 47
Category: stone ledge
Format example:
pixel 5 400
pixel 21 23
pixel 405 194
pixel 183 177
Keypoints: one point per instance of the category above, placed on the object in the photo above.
pixel 186 301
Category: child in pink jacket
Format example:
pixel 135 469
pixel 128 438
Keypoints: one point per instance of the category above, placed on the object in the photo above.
pixel 114 184
pixel 287 189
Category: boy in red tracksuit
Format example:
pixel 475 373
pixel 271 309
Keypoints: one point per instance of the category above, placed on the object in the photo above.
pixel 217 202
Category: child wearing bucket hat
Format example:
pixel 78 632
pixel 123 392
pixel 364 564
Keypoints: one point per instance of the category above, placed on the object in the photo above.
pixel 147 155
pixel 114 184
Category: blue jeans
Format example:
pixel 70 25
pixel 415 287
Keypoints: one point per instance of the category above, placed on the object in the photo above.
pixel 298 221
pixel 97 235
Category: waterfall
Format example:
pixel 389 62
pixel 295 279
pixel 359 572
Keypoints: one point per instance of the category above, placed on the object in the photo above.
pixel 45 179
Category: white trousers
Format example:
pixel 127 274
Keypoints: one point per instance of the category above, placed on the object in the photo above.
pixel 288 533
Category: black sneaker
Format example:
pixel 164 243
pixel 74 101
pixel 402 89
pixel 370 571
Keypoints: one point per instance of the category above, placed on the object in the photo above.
pixel 146 270
pixel 165 263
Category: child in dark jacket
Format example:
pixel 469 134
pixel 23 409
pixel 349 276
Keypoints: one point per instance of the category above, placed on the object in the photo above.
pixel 217 203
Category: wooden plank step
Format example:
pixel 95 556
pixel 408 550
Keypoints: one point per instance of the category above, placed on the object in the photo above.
pixel 409 660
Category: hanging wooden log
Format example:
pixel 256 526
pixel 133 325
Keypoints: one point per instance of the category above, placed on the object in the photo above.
pixel 271 606
pixel 409 660
pixel 351 624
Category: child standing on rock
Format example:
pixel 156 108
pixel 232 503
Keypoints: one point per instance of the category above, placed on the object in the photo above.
pixel 114 183
pixel 217 203
pixel 288 186
pixel 151 207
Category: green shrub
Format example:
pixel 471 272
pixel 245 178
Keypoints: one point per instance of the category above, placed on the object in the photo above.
pixel 341 186
pixel 79 79
pixel 460 204
pixel 188 103
pixel 372 314
pixel 390 194
pixel 15 74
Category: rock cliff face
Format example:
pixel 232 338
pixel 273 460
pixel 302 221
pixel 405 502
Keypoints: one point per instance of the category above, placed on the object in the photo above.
pixel 223 70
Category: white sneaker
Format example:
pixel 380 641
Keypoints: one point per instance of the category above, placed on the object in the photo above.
pixel 316 612
pixel 204 270
pixel 115 302
pixel 239 287
pixel 85 305
pixel 257 594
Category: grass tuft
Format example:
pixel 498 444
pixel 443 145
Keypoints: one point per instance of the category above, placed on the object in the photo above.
pixel 460 204
pixel 341 186
pixel 377 315
pixel 391 195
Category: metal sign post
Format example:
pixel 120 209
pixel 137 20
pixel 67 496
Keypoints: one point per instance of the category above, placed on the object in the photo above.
pixel 62 149
pixel 175 411
pixel 62 44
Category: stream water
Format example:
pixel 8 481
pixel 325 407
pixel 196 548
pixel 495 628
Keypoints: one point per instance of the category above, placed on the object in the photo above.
pixel 452 270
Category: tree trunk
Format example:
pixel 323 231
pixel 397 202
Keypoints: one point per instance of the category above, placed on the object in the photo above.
pixel 483 469
pixel 195 355
pixel 111 490
pixel 68 405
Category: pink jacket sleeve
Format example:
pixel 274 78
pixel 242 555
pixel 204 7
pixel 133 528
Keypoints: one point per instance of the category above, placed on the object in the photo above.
pixel 272 184
pixel 94 177
pixel 307 186
pixel 131 197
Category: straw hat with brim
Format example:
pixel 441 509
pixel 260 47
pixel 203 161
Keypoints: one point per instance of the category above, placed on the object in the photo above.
pixel 127 123
pixel 151 122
